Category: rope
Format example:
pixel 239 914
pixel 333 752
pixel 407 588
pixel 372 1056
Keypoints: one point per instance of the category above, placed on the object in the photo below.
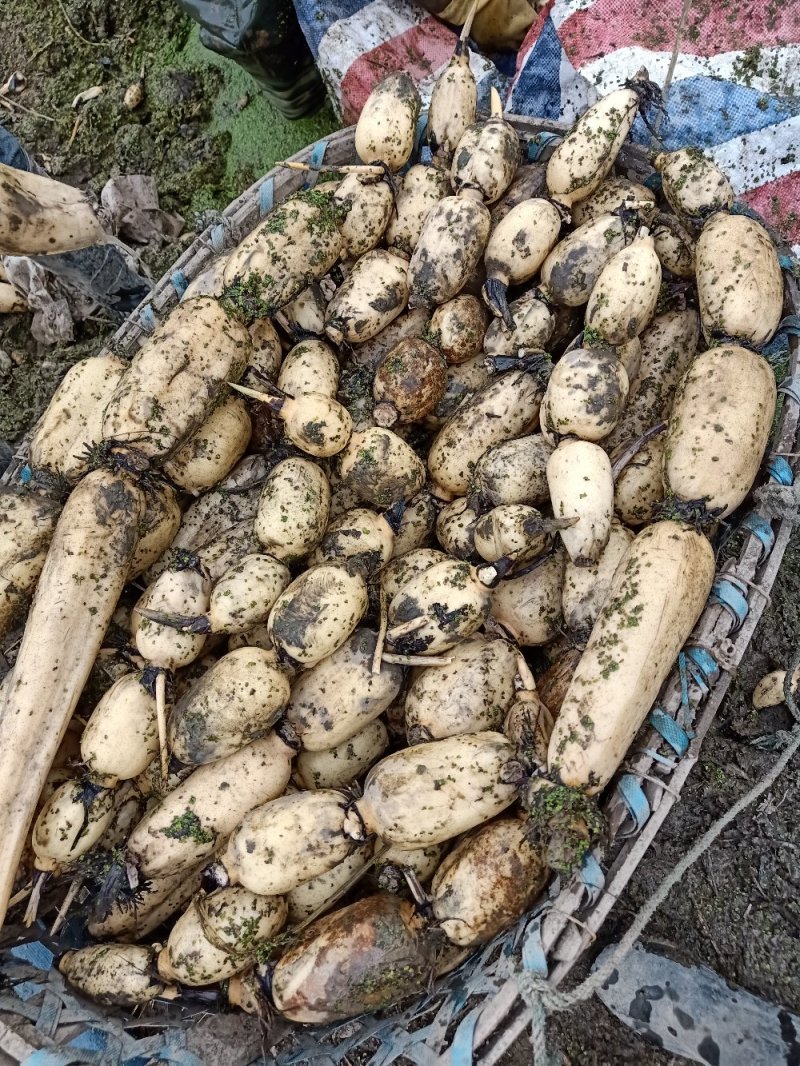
pixel 541 1053
pixel 538 994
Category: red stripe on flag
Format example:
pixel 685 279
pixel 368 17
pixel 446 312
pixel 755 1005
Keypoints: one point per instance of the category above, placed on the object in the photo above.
pixel 419 52
pixel 532 36
pixel 779 203
pixel 712 28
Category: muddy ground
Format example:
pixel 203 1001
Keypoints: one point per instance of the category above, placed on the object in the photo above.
pixel 205 133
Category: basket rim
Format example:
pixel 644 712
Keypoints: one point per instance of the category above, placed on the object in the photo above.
pixel 562 939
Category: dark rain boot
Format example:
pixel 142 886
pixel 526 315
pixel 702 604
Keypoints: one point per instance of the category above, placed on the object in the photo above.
pixel 263 37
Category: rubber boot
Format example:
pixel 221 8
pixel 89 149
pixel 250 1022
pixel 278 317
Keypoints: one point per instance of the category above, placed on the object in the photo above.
pixel 265 39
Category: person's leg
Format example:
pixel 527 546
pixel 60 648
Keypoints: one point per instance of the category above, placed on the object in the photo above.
pixel 263 37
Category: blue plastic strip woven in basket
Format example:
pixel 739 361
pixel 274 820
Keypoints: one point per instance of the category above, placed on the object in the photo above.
pixel 780 471
pixel 266 196
pixel 789 326
pixel 704 661
pixel 791 387
pixel 464 1038
pixel 761 528
pixel 91 1040
pixel 537 144
pixel 672 732
pixel 315 161
pixel 533 955
pixel 147 319
pixel 632 795
pixel 703 667
pixel 179 282
pixel 725 593
pixel 592 878
pixel 65 1057
pixel 27 990
pixel 688 667
pixel 217 238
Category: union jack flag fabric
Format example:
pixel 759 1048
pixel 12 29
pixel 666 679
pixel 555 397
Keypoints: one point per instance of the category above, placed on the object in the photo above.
pixel 735 88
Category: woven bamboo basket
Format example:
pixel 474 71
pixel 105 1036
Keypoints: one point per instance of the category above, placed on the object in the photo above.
pixel 476 1013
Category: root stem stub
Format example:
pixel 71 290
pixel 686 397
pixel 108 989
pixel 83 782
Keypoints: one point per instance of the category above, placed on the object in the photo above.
pixel 494 295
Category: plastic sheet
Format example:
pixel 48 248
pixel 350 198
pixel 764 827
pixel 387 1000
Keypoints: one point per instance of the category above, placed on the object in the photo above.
pixel 69 286
pixel 692 1011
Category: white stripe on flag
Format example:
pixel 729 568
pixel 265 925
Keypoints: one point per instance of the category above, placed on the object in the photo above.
pixel 753 159
pixel 425 87
pixel 564 9
pixel 348 39
pixel 576 92
pixel 780 67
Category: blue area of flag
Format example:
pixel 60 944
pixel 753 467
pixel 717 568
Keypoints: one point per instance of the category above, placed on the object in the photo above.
pixel 706 111
pixel 317 16
pixel 538 88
